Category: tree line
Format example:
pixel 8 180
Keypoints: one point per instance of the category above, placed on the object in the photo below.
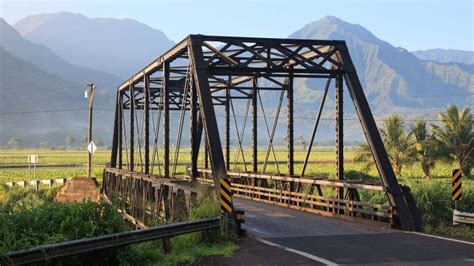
pixel 69 140
pixel 452 141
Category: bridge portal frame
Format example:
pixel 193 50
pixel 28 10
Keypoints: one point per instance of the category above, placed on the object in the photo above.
pixel 201 71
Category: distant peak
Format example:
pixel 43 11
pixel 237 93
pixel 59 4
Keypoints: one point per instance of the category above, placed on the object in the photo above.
pixel 331 19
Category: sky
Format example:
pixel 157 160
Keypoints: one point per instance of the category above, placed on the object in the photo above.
pixel 413 25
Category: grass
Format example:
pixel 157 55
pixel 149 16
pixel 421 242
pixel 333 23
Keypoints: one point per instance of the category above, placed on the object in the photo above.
pixel 30 218
pixel 432 196
pixel 51 157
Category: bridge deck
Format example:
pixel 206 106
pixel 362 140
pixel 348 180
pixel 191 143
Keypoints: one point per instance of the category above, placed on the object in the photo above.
pixel 343 242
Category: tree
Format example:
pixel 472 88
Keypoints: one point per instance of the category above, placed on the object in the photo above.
pixel 98 142
pixel 84 142
pixel 44 144
pixel 16 143
pixel 395 141
pixel 455 137
pixel 424 147
pixel 364 154
pixel 69 140
pixel 303 142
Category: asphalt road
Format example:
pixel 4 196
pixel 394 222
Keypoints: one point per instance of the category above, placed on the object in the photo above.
pixel 319 240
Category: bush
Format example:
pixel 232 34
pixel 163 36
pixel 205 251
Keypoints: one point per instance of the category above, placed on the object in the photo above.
pixel 433 199
pixel 29 218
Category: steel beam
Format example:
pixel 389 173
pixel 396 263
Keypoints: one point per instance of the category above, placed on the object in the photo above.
pixel 227 128
pixel 117 124
pixel 207 109
pixel 195 136
pixel 131 160
pixel 166 118
pixel 339 134
pixel 371 132
pixel 146 81
pixel 315 127
pixel 254 127
pixel 289 114
pixel 120 129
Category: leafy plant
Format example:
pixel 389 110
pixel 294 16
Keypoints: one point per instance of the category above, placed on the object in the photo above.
pixel 424 147
pixel 396 141
pixel 456 136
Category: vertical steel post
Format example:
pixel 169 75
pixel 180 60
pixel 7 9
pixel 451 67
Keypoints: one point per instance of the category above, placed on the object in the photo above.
pixel 166 118
pixel 227 126
pixel 113 157
pixel 120 129
pixel 206 108
pixel 206 153
pixel 374 140
pixel 339 134
pixel 254 126
pixel 132 128
pixel 146 91
pixel 195 142
pixel 289 114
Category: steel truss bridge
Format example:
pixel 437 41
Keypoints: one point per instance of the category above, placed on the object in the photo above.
pixel 203 77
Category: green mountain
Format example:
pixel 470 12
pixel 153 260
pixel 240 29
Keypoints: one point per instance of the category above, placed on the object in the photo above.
pixel 394 80
pixel 117 46
pixel 446 56
pixel 28 94
pixel 48 61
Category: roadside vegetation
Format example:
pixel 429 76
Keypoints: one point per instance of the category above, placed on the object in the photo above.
pixel 423 157
pixel 430 149
pixel 29 218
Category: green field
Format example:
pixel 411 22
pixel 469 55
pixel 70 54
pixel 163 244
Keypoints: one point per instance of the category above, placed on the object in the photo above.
pixel 66 158
pixel 432 196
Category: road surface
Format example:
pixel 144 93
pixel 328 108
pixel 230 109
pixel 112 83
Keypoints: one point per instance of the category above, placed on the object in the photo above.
pixel 305 238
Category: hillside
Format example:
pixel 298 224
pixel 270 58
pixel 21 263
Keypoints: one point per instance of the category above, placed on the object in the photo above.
pixel 117 46
pixel 48 61
pixel 446 56
pixel 25 89
pixel 394 79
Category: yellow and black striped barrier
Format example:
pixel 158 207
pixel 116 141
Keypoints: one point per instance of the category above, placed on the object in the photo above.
pixel 456 185
pixel 226 196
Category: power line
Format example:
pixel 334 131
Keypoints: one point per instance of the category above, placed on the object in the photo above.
pixel 219 115
pixel 52 111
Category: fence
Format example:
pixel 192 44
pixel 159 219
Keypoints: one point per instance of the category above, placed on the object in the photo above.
pixel 312 195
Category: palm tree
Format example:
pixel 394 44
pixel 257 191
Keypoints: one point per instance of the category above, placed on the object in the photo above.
pixel 395 141
pixel 424 147
pixel 456 136
pixel 364 154
pixel 69 140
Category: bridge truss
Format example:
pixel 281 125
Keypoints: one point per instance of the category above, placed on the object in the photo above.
pixel 203 78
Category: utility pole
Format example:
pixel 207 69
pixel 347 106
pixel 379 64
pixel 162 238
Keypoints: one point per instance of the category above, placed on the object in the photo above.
pixel 90 95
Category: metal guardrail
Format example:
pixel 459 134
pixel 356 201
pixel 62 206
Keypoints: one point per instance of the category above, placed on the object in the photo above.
pixel 463 218
pixel 49 182
pixel 80 246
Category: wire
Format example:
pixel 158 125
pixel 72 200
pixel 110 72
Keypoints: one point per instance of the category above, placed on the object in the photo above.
pixel 54 111
pixel 219 115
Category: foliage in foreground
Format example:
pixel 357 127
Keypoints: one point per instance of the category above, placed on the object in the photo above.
pixel 185 249
pixel 34 220
pixel 30 218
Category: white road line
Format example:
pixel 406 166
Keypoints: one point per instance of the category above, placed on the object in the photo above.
pixel 304 254
pixel 440 237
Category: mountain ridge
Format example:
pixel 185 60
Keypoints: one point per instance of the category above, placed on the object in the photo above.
pixel 446 55
pixel 391 76
pixel 98 43
pixel 48 61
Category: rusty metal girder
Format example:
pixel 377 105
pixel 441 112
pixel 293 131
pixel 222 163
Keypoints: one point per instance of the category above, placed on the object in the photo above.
pixel 226 68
